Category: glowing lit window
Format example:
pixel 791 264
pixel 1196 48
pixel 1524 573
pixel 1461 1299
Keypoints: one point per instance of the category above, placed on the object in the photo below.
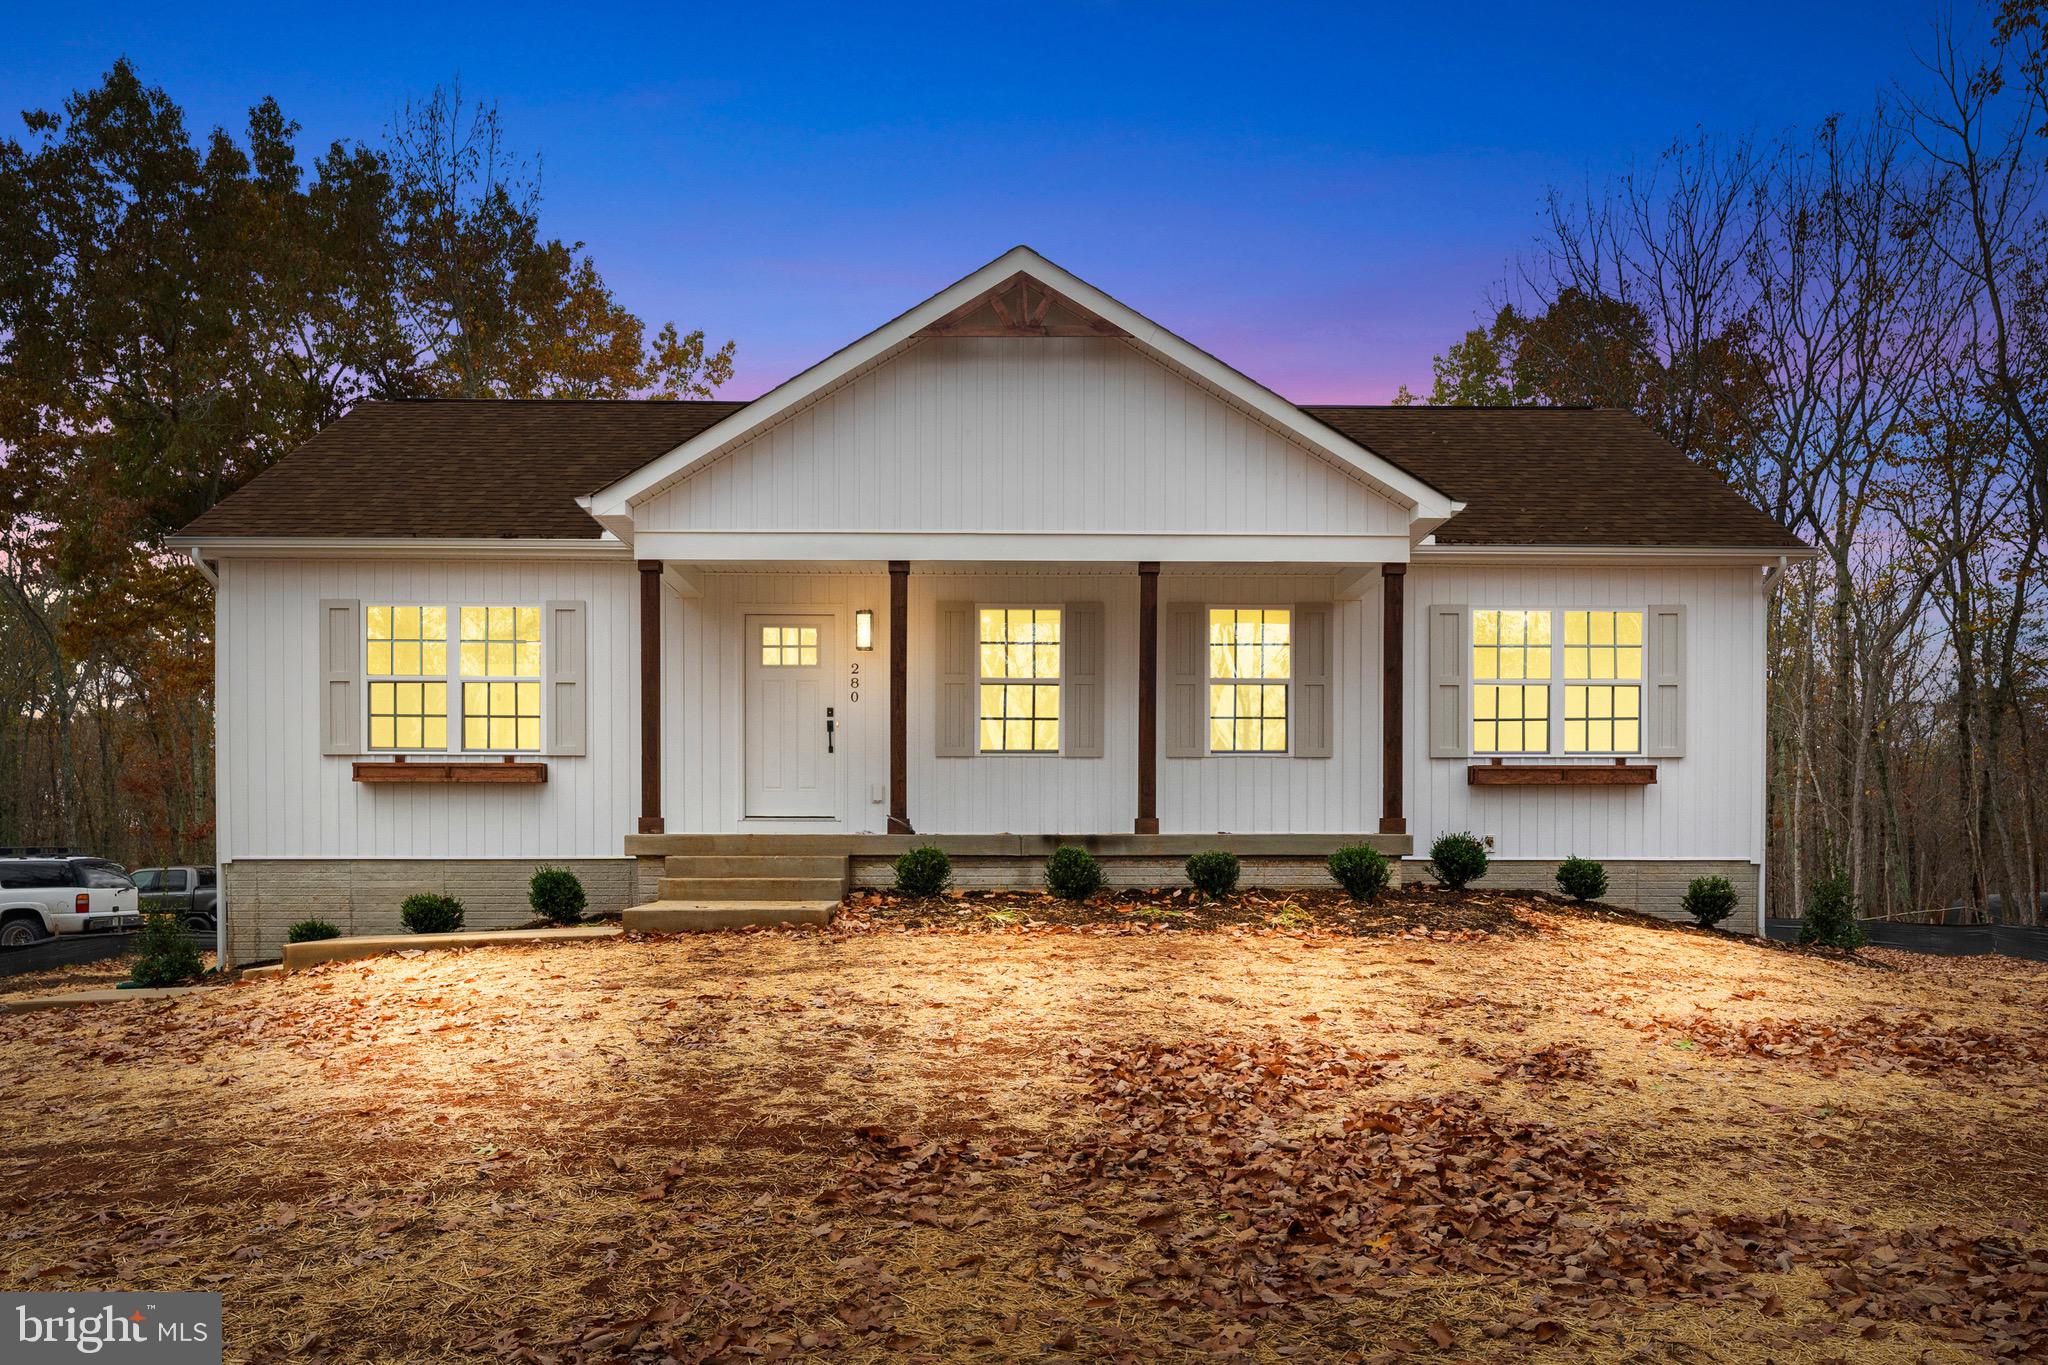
pixel 1511 651
pixel 1603 644
pixel 501 642
pixel 499 651
pixel 789 646
pixel 1603 713
pixel 1251 663
pixel 406 664
pixel 1020 680
pixel 501 715
pixel 1511 720
pixel 1602 719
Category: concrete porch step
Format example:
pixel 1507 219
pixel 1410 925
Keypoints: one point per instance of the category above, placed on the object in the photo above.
pixel 755 888
pixel 668 916
pixel 753 865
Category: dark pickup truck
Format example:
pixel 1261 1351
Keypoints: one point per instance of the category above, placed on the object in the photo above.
pixel 190 892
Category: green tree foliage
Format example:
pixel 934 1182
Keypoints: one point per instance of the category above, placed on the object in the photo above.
pixel 176 313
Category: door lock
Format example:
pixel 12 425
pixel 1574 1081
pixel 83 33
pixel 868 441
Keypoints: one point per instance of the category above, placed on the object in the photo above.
pixel 829 726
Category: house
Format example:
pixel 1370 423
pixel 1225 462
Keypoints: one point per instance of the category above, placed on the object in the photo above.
pixel 1018 566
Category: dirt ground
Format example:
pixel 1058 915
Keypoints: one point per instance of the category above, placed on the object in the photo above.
pixel 979 1129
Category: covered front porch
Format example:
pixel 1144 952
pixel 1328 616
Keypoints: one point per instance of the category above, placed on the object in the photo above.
pixel 834 698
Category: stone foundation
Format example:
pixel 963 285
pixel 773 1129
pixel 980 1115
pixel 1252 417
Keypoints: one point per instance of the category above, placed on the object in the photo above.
pixel 362 896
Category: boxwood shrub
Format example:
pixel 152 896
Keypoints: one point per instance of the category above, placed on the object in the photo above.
pixel 1072 873
pixel 430 913
pixel 923 871
pixel 1582 879
pixel 1457 860
pixel 1213 873
pixel 1709 900
pixel 311 931
pixel 1361 870
pixel 556 895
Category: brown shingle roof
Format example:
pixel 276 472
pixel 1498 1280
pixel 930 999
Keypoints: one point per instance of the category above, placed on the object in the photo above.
pixel 1559 476
pixel 492 469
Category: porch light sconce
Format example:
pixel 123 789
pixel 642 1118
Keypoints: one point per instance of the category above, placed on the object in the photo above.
pixel 864 629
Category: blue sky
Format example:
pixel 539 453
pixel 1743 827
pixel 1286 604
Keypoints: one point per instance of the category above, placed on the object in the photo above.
pixel 1321 196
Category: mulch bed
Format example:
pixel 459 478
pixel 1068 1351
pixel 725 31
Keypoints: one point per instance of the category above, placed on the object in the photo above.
pixel 1407 909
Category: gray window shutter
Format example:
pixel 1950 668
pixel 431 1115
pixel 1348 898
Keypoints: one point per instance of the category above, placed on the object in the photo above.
pixel 1184 669
pixel 1314 650
pixel 341 671
pixel 1081 680
pixel 959 680
pixel 567 661
pixel 1664 667
pixel 1448 735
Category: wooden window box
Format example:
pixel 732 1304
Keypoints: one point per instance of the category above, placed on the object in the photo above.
pixel 401 770
pixel 1561 775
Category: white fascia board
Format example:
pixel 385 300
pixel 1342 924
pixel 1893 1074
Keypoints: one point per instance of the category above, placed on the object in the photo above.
pixel 1607 554
pixel 1424 502
pixel 396 547
pixel 1018 547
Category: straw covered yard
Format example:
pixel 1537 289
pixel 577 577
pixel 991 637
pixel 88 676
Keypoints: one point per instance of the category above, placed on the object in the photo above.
pixel 1482 1128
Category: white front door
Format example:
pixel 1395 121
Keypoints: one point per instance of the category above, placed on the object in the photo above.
pixel 790 745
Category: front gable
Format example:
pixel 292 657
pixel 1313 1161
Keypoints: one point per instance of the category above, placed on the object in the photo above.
pixel 1021 402
pixel 1000 433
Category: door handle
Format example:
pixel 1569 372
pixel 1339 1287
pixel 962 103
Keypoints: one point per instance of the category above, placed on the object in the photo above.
pixel 829 725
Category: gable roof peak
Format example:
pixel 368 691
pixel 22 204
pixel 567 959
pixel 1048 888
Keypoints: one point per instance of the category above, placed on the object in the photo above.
pixel 972 301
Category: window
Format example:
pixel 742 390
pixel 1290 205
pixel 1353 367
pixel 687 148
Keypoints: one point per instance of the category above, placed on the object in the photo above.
pixel 500 650
pixel 789 646
pixel 149 880
pixel 1603 692
pixel 1020 680
pixel 1521 659
pixel 495 664
pixel 407 664
pixel 1511 682
pixel 33 876
pixel 106 877
pixel 1251 663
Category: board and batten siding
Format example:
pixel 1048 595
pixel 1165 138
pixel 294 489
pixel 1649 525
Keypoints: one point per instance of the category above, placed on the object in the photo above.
pixel 703 672
pixel 1704 805
pixel 282 799
pixel 1076 434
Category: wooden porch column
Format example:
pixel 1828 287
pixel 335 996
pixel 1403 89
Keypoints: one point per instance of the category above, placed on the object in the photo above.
pixel 1148 699
pixel 650 696
pixel 899 697
pixel 1393 650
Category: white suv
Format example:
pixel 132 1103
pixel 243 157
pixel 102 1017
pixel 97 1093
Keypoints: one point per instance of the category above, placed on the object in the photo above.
pixel 44 896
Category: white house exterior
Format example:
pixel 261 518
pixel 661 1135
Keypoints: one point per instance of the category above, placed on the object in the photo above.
pixel 1018 567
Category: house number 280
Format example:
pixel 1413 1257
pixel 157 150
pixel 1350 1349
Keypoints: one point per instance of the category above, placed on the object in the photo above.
pixel 853 687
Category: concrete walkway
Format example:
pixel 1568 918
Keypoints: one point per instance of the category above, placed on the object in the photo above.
pixel 297 955
pixel 708 916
